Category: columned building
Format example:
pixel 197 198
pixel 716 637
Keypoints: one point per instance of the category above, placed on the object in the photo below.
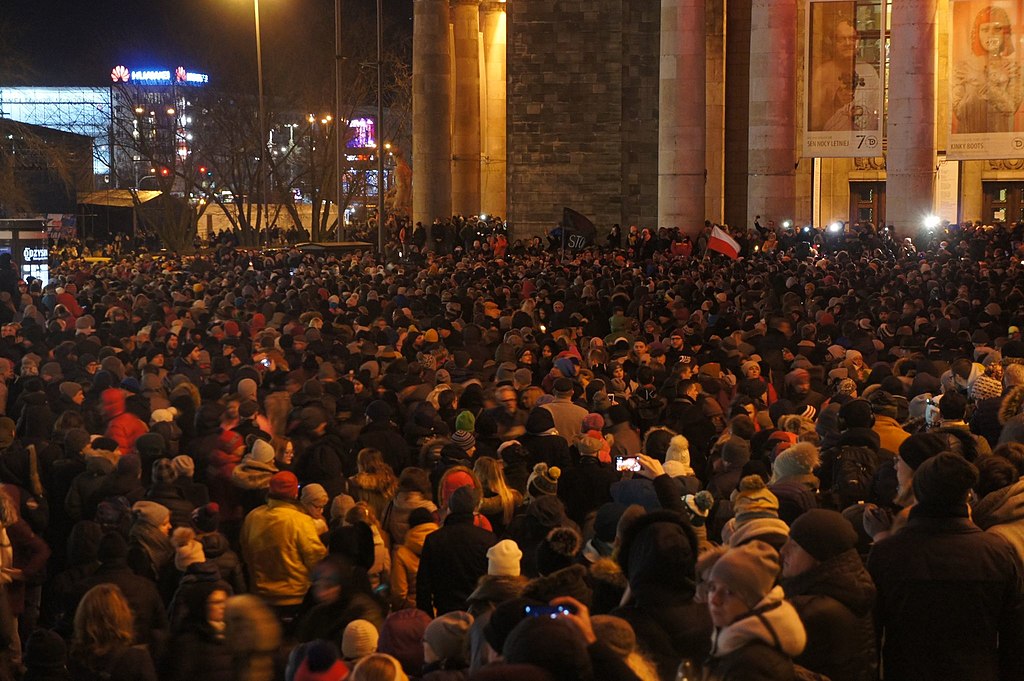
pixel 806 112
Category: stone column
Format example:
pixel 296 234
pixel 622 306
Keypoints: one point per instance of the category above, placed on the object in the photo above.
pixel 466 115
pixel 771 165
pixel 681 116
pixel 431 113
pixel 971 190
pixel 910 164
pixel 714 184
pixel 492 171
pixel 737 111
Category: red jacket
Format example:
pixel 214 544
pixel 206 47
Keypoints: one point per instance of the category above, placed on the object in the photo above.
pixel 122 427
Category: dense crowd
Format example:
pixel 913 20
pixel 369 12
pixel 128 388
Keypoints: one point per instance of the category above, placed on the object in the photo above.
pixel 628 462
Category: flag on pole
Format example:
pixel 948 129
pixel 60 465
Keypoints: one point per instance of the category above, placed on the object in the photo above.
pixel 721 242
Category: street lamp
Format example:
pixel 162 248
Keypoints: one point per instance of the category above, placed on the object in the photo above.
pixel 264 150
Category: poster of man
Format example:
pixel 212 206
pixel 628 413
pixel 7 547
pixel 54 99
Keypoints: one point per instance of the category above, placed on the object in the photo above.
pixel 986 84
pixel 844 85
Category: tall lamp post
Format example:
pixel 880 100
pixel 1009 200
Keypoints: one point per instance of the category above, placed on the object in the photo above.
pixel 264 145
pixel 339 129
pixel 380 127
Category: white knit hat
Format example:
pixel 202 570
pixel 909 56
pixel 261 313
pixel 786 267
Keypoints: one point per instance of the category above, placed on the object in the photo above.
pixel 359 640
pixel 262 451
pixel 503 559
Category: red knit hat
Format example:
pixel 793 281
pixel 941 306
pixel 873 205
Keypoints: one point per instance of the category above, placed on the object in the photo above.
pixel 284 485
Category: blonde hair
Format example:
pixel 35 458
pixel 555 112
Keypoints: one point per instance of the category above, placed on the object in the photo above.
pixel 378 667
pixel 492 479
pixel 103 622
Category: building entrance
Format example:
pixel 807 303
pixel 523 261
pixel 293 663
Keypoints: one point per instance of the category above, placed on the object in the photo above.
pixel 867 202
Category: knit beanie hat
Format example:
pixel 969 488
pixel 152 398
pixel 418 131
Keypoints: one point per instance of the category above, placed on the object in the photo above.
pixel 503 559
pixel 45 650
pixel 314 494
pixel 321 664
pixel 206 518
pixel 985 387
pixel 163 471
pixel 749 571
pixel 465 421
pixel 736 452
pixel 359 640
pixel 447 635
pixel 753 500
pixel 402 637
pixel 919 447
pixel 163 415
pixel 185 466
pixel 942 482
pixel 823 533
pixel 75 439
pixel 69 389
pixel 378 410
pixel 539 421
pixel 465 499
pixel 799 459
pixel 261 451
pixel 186 549
pixel 558 550
pixel 464 439
pixel 856 414
pixel 284 485
pixel 151 513
pixel 543 480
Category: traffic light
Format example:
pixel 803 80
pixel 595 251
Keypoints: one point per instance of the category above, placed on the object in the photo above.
pixel 203 170
pixel 165 171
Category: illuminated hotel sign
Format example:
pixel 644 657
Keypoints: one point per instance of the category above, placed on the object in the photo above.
pixel 121 74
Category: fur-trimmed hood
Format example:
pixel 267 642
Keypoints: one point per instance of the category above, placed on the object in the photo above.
pixel 1011 404
pixel 570 581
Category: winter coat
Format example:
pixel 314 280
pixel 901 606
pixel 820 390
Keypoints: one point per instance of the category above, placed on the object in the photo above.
pixel 836 602
pixel 658 555
pixel 327 621
pixel 97 468
pixel 949 602
pixel 30 556
pixel 197 652
pixel 396 515
pixel 321 463
pixel 388 440
pixel 1002 512
pixel 551 449
pixel 252 480
pixel 123 664
pixel 375 490
pixel 890 434
pixel 453 559
pixel 147 607
pixel 217 550
pixel 169 495
pixel 122 426
pixel 759 646
pixel 280 546
pixel 405 563
pixel 568 417
pixel 585 487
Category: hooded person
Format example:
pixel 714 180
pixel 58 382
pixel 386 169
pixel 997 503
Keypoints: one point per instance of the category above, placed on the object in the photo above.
pixel 793 481
pixel 826 582
pixel 657 554
pixel 122 426
pixel 757 633
pixel 252 476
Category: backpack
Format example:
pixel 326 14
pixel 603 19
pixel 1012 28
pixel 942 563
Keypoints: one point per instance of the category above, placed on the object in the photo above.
pixel 852 475
pixel 648 407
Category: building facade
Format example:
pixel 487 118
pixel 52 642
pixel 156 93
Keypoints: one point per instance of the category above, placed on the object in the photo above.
pixel 806 112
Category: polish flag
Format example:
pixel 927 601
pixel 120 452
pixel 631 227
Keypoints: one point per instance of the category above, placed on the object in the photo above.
pixel 723 243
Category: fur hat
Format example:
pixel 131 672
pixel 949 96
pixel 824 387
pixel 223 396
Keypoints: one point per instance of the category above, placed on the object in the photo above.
pixel 753 500
pixel 558 550
pixel 503 559
pixel 799 459
pixel 942 482
pixel 749 571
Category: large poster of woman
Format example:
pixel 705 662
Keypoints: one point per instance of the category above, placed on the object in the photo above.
pixel 843 116
pixel 986 86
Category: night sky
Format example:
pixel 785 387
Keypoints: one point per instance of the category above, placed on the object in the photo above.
pixel 77 42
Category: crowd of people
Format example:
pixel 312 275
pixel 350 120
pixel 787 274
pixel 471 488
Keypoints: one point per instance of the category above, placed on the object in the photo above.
pixel 611 464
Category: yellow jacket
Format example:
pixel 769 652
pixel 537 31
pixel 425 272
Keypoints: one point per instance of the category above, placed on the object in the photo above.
pixel 405 564
pixel 280 546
